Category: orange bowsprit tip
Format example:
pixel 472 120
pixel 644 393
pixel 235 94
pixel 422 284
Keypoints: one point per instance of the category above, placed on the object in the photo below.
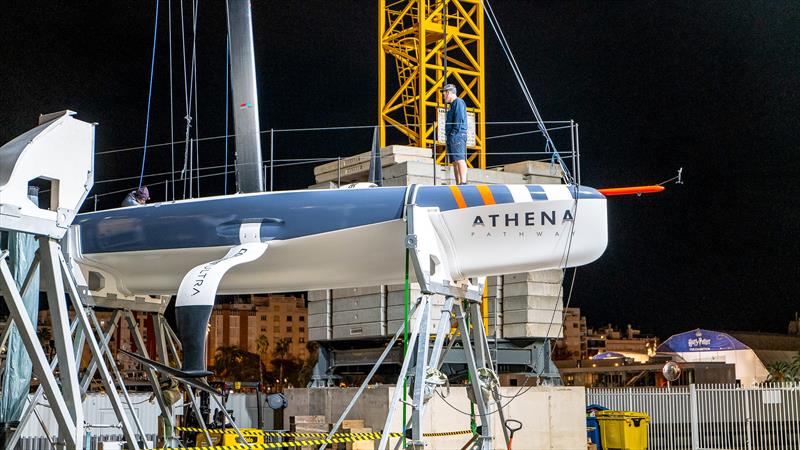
pixel 610 192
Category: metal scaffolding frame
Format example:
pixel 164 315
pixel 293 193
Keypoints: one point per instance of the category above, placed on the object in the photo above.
pixel 431 42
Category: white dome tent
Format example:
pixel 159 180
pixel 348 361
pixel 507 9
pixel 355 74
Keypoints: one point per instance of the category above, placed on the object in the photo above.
pixel 712 346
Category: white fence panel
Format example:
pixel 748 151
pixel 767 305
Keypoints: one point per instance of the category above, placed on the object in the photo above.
pixel 713 417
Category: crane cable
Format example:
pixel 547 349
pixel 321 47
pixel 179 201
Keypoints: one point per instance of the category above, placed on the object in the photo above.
pixel 149 94
pixel 549 145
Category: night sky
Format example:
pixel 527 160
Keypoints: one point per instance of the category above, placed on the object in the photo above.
pixel 708 86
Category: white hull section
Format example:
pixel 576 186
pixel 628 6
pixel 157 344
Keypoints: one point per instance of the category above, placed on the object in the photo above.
pixel 477 241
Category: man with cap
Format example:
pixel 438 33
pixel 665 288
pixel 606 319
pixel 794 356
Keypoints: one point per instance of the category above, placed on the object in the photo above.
pixel 456 131
pixel 137 198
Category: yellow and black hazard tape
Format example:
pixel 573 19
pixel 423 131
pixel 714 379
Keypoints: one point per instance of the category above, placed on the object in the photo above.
pixel 251 432
pixel 338 438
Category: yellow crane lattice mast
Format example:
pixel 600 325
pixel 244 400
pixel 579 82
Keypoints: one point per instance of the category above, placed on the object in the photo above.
pixel 430 41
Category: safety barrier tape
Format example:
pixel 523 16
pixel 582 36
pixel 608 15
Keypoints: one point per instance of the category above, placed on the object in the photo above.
pixel 250 432
pixel 344 438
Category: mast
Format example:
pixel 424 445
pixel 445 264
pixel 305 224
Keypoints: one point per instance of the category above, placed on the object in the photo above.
pixel 249 176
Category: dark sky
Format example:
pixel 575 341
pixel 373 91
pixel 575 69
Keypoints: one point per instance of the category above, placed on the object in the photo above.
pixel 708 86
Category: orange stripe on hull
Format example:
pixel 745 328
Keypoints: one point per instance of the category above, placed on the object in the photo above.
pixel 457 195
pixel 486 194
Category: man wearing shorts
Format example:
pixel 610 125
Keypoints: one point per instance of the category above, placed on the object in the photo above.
pixel 456 132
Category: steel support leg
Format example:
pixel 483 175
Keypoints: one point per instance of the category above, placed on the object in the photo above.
pixel 104 374
pixel 97 354
pixel 420 369
pixel 53 283
pixel 442 331
pixel 30 340
pixel 485 441
pixel 88 375
pixel 151 374
pixel 366 381
pixel 480 340
pixel 398 390
pixel 30 409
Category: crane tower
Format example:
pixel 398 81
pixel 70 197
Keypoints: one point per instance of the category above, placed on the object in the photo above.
pixel 431 42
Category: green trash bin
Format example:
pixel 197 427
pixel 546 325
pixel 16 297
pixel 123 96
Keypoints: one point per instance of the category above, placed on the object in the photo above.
pixel 623 430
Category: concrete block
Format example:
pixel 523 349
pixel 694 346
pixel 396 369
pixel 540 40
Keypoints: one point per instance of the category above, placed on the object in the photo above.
pixel 358 316
pixel 539 179
pixel 534 316
pixel 389 155
pixel 349 173
pixel 322 294
pixel 319 320
pixel 324 185
pixel 542 276
pixel 406 150
pixel 415 168
pixel 401 287
pixel 356 291
pixel 520 302
pixel 398 298
pixel 319 334
pixel 531 330
pixel 358 302
pixel 532 288
pixel 414 179
pixel 397 312
pixel 478 176
pixel 540 168
pixel 318 307
pixel 359 331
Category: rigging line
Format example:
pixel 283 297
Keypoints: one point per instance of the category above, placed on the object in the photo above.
pixel 524 87
pixel 215 174
pixel 335 128
pixel 565 258
pixel 196 97
pixel 521 133
pixel 150 93
pixel 227 106
pixel 186 116
pixel 171 107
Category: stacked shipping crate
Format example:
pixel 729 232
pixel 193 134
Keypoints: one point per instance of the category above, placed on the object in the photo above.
pixel 522 305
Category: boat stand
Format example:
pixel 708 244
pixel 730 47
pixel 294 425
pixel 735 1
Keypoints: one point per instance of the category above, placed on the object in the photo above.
pixel 431 260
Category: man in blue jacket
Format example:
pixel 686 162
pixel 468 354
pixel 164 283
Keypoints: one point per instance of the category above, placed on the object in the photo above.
pixel 456 132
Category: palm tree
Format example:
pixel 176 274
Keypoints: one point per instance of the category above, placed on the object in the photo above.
pixel 281 352
pixel 262 344
pixel 236 364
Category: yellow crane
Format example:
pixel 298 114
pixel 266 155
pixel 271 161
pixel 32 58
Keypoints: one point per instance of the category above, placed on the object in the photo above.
pixel 431 41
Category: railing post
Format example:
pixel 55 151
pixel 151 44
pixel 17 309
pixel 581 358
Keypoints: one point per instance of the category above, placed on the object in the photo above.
pixel 747 418
pixel 271 156
pixel 693 416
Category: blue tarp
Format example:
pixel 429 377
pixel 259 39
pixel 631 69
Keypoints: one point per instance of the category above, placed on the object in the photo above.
pixel 17 376
pixel 700 341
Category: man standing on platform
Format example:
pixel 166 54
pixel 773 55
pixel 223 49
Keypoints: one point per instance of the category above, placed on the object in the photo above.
pixel 456 132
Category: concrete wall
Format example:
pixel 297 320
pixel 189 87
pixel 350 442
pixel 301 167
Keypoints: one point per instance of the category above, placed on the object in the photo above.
pixel 552 417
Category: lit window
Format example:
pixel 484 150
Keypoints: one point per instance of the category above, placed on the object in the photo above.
pixel 302 340
pixel 276 329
